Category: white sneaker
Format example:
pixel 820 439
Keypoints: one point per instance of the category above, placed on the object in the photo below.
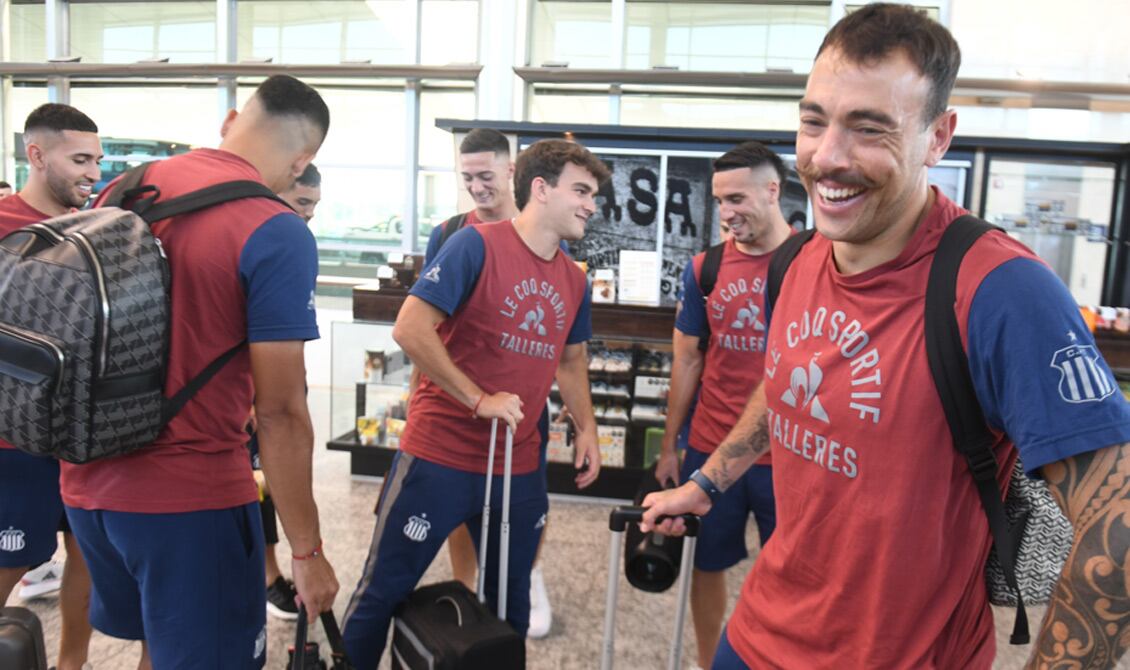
pixel 541 615
pixel 45 579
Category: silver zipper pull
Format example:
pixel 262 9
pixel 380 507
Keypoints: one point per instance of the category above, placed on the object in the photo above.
pixel 160 247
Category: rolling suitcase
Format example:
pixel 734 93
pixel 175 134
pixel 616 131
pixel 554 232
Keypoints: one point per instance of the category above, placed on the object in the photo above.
pixel 446 627
pixel 617 523
pixel 21 640
pixel 310 658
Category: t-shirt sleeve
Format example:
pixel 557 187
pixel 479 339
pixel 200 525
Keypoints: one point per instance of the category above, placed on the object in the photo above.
pixel 582 325
pixel 448 280
pixel 278 267
pixel 1036 369
pixel 692 316
pixel 433 243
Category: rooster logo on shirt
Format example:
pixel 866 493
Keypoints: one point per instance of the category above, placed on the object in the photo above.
pixel 803 385
pixel 747 317
pixel 533 322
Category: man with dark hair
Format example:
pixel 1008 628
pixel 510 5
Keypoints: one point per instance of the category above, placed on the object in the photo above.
pixel 494 318
pixel 306 192
pixel 879 554
pixel 729 320
pixel 63 151
pixel 5 189
pixel 172 532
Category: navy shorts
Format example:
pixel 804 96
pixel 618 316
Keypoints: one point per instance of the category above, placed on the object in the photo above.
pixel 31 509
pixel 726 658
pixel 189 584
pixel 721 535
pixel 420 504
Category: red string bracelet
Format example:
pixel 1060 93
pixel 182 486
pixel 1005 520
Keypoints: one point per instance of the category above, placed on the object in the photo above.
pixel 475 409
pixel 313 554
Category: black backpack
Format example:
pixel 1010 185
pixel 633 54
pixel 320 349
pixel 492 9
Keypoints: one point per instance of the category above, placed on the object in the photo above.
pixel 1031 536
pixel 450 227
pixel 707 279
pixel 84 324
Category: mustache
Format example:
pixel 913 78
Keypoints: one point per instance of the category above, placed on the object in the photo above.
pixel 843 177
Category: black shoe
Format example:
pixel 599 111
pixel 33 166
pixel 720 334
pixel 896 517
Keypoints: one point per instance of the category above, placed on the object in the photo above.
pixel 280 600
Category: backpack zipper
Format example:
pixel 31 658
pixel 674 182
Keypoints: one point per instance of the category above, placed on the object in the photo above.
pixel 102 316
pixel 44 343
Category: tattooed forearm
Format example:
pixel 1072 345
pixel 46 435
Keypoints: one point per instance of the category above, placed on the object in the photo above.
pixel 1088 619
pixel 738 452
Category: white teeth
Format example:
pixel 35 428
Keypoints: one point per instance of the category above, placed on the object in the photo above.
pixel 836 194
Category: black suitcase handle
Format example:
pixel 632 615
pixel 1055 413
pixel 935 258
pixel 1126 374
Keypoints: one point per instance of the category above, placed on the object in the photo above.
pixel 333 635
pixel 620 517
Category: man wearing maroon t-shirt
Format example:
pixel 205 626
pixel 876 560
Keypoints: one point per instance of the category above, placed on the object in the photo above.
pixel 492 320
pixel 881 541
pixel 63 151
pixel 747 187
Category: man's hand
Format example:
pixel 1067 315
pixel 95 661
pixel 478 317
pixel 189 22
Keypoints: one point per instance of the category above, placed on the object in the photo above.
pixel 667 468
pixel 587 449
pixel 501 405
pixel 316 584
pixel 688 498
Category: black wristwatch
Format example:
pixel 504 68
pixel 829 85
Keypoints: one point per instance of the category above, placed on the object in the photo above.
pixel 708 487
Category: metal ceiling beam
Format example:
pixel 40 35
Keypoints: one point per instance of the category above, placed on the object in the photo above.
pixel 212 70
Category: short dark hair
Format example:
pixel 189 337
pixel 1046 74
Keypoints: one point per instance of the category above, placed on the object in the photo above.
pixel 283 95
pixel 57 117
pixel 547 159
pixel 485 139
pixel 751 155
pixel 4 184
pixel 872 32
pixel 310 177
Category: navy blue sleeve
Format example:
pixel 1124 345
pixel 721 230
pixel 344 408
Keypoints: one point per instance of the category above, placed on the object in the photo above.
pixel 582 325
pixel 433 243
pixel 447 281
pixel 1036 369
pixel 278 267
pixel 692 316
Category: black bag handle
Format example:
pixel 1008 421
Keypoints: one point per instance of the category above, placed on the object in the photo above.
pixel 949 367
pixel 333 635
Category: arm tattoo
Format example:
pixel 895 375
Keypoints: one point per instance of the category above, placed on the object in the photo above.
pixel 747 446
pixel 1088 619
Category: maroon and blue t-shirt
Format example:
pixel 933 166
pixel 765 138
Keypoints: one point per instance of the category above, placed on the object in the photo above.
pixel 511 313
pixel 241 270
pixel 734 315
pixel 877 560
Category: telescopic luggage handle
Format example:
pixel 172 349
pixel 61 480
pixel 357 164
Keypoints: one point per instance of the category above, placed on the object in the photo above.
pixel 333 635
pixel 504 529
pixel 618 522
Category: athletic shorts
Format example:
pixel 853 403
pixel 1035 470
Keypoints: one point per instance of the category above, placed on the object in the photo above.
pixel 725 658
pixel 721 535
pixel 189 584
pixel 31 509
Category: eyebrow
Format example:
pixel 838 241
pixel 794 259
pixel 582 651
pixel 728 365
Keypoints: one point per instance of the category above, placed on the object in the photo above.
pixel 875 115
pixel 583 185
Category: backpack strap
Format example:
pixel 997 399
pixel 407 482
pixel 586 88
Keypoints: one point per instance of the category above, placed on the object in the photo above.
pixel 450 227
pixel 204 198
pixel 170 407
pixel 707 279
pixel 949 367
pixel 779 265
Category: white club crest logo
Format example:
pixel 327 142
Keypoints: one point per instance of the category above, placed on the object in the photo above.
pixel 533 322
pixel 802 390
pixel 12 540
pixel 748 317
pixel 540 523
pixel 432 274
pixel 1081 374
pixel 260 643
pixel 417 528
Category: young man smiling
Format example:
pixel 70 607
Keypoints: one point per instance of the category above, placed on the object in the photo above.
pixel 881 539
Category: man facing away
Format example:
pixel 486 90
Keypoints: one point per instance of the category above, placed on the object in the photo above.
pixel 493 319
pixel 747 186
pixel 879 553
pixel 63 151
pixel 172 532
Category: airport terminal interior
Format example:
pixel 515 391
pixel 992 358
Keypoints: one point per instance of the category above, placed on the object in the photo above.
pixel 657 89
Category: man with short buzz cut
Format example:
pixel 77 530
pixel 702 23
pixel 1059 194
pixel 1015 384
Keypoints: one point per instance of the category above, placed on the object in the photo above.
pixel 5 189
pixel 306 192
pixel 719 354
pixel 878 559
pixel 172 532
pixel 488 348
pixel 63 151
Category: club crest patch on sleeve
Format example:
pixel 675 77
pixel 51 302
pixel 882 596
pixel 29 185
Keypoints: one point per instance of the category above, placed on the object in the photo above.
pixel 1083 377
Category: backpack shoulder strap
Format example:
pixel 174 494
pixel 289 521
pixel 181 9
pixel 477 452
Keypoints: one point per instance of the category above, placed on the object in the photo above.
pixel 128 187
pixel 949 367
pixel 779 265
pixel 707 279
pixel 451 226
pixel 204 198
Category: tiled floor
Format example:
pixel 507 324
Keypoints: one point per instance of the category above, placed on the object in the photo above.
pixel 574 561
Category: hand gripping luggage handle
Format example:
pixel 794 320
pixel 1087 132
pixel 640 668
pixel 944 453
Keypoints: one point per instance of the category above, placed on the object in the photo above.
pixel 298 659
pixel 333 635
pixel 504 534
pixel 618 522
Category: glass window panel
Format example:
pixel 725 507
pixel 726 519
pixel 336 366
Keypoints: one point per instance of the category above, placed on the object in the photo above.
pixel 328 31
pixel 578 33
pixel 437 194
pixel 556 107
pixel 22 101
pixel 701 112
pixel 28 33
pixel 437 146
pixel 1061 211
pixel 124 32
pixel 188 115
pixel 450 32
pixel 723 36
pixel 361 208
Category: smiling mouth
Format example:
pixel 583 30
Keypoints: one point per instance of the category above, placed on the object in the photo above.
pixel 838 195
